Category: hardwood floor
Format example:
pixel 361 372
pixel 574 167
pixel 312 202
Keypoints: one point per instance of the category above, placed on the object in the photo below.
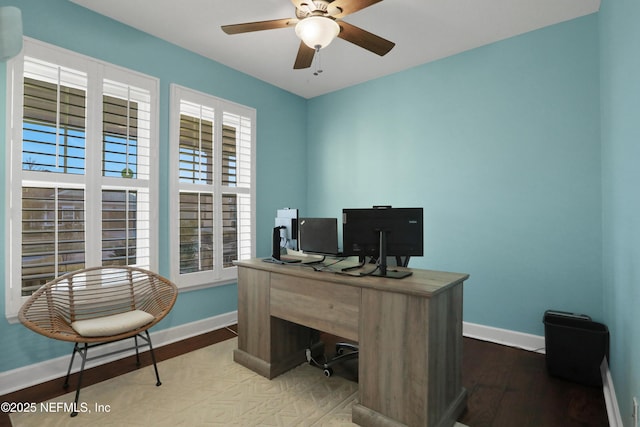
pixel 510 387
pixel 506 386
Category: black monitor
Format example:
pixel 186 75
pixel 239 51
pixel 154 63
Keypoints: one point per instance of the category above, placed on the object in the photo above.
pixel 318 235
pixel 383 231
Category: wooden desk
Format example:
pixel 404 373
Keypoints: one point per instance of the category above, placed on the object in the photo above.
pixel 409 333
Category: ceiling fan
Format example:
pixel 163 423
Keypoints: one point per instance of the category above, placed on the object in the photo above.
pixel 317 23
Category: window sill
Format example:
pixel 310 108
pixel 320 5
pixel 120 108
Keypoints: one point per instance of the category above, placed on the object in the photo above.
pixel 12 318
pixel 196 287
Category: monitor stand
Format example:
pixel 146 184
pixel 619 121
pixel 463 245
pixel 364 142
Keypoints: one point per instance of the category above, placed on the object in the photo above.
pixel 392 274
pixel 275 248
pixel 383 271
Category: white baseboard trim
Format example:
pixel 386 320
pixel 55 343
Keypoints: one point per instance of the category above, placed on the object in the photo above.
pixel 38 373
pixel 504 336
pixel 610 400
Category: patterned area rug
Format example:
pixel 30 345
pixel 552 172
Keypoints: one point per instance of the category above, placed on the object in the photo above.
pixel 204 388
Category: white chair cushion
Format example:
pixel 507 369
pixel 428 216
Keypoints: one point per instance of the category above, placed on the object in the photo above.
pixel 112 325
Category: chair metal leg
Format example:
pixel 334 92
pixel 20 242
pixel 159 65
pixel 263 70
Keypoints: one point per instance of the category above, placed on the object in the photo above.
pixel 82 350
pixel 83 354
pixel 153 358
pixel 73 355
pixel 135 338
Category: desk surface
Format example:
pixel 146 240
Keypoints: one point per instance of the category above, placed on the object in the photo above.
pixel 424 283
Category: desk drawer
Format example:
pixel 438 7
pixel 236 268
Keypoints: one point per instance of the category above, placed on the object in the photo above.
pixel 328 307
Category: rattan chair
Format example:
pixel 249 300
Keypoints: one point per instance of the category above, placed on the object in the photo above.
pixel 99 305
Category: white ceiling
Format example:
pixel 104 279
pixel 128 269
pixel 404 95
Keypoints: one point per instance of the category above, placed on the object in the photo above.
pixel 423 30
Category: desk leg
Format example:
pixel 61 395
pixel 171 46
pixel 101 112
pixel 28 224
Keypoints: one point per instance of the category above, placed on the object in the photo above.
pixel 267 345
pixel 410 359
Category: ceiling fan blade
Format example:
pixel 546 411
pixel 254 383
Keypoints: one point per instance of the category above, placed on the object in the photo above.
pixel 342 8
pixel 259 26
pixel 364 39
pixel 304 58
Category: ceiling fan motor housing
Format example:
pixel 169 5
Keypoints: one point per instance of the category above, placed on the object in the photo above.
pixel 317 7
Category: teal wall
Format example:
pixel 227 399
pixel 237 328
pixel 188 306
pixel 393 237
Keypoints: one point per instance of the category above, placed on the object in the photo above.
pixel 620 88
pixel 501 146
pixel 281 129
pixel 523 154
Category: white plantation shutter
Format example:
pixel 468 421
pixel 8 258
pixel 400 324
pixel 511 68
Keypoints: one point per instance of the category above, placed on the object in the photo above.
pixel 236 174
pixel 126 130
pixel 81 149
pixel 196 232
pixel 53 234
pixel 245 227
pixel 126 169
pixel 54 125
pixel 53 143
pixel 196 154
pixel 239 136
pixel 213 169
pixel 196 143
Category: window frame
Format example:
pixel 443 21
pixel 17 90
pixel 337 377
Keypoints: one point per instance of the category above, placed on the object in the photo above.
pixel 93 183
pixel 219 275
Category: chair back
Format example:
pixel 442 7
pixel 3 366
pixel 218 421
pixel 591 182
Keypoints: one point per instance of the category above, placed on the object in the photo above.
pixel 96 292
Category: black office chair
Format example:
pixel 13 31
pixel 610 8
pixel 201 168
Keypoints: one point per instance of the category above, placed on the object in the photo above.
pixel 344 351
pixel 316 357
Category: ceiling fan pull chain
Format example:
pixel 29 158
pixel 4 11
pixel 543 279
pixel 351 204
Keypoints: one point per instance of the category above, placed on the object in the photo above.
pixel 318 63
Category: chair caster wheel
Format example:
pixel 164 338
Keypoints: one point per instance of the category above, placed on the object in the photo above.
pixel 328 372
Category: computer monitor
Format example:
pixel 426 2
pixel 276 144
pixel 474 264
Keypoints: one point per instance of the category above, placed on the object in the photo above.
pixel 287 223
pixel 318 235
pixel 383 231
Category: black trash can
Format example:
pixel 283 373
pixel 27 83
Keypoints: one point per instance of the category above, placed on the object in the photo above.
pixel 575 347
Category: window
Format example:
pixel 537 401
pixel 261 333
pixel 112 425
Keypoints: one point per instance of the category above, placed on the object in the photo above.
pixel 82 141
pixel 212 187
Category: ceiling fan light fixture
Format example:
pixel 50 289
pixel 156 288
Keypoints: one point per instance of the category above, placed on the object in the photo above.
pixel 317 31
